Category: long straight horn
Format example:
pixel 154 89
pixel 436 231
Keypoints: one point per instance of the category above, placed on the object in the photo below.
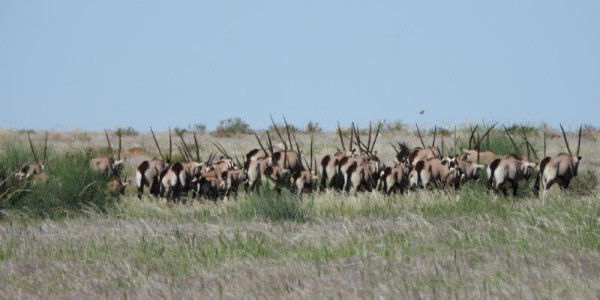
pixel 185 146
pixel 527 145
pixel 120 135
pixel 182 152
pixel 224 150
pixel 311 152
pixel 565 137
pixel 472 137
pixel 278 132
pixel 341 137
pixel 420 137
pixel 170 145
pixel 297 146
pixel 45 148
pixel 287 129
pixel 270 145
pixel 260 143
pixel 369 140
pixel 376 135
pixel 197 148
pixel 157 146
pixel 478 147
pixel 442 137
pixel 394 147
pixel 455 141
pixel 511 139
pixel 32 151
pixel 579 140
pixel 545 137
pixel 434 134
pixel 108 141
pixel 486 134
pixel 351 136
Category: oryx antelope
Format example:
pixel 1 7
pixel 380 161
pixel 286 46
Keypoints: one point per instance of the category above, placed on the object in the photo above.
pixel 330 176
pixel 394 178
pixel 148 172
pixel 507 172
pixel 560 169
pixel 106 165
pixel 434 171
pixel 475 154
pixel 305 180
pixel 35 168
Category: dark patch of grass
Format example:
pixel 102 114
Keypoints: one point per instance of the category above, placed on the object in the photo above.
pixel 586 183
pixel 275 207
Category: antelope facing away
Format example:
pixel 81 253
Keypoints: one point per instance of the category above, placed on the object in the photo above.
pixel 560 169
pixel 148 172
pixel 108 165
pixel 35 168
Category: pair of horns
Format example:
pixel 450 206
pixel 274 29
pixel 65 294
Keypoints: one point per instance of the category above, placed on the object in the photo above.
pixel 119 133
pixel 45 148
pixel 567 142
pixel 158 147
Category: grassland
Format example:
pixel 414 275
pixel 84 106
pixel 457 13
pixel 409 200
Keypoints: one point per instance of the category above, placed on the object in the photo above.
pixel 466 244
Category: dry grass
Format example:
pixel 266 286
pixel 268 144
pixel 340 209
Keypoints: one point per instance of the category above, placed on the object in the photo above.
pixel 421 245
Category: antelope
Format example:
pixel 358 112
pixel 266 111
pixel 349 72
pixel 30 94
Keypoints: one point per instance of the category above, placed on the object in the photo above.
pixel 560 169
pixel 305 180
pixel 419 154
pixel 149 171
pixel 211 185
pixel 35 168
pixel 393 178
pixel 329 164
pixel 108 165
pixel 173 180
pixel 234 178
pixel 475 154
pixel 469 170
pixel 362 170
pixel 286 159
pixel 507 172
pixel 117 186
pixel 254 167
pixel 425 173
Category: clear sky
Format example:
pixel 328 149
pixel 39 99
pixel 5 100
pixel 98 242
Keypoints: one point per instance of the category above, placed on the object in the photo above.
pixel 102 64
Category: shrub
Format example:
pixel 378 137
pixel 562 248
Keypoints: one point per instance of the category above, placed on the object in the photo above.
pixel 71 186
pixel 199 128
pixel 392 126
pixel 232 126
pixel 293 129
pixel 129 131
pixel 584 184
pixel 313 127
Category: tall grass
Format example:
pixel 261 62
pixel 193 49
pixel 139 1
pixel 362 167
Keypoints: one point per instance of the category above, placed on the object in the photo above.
pixel 275 207
pixel 71 186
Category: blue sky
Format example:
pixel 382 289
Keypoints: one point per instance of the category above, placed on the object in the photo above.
pixel 102 64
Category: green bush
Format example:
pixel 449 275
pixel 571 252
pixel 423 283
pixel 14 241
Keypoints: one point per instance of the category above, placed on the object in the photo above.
pixel 275 207
pixel 586 183
pixel 71 186
pixel 231 126
pixel 313 127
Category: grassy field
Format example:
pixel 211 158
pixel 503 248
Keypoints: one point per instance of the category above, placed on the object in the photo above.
pixel 466 244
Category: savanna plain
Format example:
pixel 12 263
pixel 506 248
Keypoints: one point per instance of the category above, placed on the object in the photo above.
pixel 72 239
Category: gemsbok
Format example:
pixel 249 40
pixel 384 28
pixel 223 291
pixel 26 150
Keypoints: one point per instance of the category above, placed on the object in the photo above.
pixel 35 168
pixel 106 165
pixel 560 169
pixel 148 172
